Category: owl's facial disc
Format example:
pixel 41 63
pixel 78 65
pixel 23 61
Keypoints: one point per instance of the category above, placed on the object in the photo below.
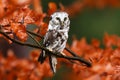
pixel 61 22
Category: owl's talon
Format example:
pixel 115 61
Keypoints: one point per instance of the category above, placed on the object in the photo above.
pixel 50 49
pixel 63 54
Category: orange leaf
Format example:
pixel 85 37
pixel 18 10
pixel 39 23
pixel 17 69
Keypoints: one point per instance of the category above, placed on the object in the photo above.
pixel 52 8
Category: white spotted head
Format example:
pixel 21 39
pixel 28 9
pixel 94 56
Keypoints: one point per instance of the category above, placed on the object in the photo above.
pixel 59 20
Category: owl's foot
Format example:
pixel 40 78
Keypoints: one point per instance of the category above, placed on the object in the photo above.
pixel 50 49
pixel 63 54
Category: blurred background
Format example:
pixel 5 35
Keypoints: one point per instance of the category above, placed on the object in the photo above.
pixel 89 19
pixel 94 20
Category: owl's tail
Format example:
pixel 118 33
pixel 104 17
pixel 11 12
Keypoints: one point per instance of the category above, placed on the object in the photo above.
pixel 42 57
pixel 53 62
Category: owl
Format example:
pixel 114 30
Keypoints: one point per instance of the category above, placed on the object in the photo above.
pixel 56 37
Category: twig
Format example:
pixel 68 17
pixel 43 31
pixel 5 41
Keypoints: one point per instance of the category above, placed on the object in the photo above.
pixel 34 39
pixel 17 41
pixel 38 35
pixel 80 59
pixel 41 47
pixel 72 53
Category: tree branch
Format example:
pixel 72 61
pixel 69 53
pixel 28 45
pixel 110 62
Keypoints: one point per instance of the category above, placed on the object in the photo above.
pixel 38 35
pixel 34 39
pixel 67 49
pixel 41 47
pixel 30 34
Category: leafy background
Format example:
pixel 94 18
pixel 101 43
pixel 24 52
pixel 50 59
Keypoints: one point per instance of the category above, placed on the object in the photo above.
pixel 92 22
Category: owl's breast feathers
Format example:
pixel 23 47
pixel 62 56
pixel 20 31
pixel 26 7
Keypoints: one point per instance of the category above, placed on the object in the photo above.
pixel 55 40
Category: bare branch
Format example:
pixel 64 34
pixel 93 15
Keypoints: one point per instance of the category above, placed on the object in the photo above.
pixel 71 52
pixel 38 35
pixel 29 33
pixel 34 39
pixel 41 47
pixel 67 49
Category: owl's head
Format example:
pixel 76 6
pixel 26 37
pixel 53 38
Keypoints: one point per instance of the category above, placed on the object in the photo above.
pixel 60 20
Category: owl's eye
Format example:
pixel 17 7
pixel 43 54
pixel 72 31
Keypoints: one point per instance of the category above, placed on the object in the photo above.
pixel 57 18
pixel 65 18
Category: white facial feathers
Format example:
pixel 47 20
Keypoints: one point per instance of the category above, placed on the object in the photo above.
pixel 59 20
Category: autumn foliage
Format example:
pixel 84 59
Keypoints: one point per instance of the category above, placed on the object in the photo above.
pixel 16 16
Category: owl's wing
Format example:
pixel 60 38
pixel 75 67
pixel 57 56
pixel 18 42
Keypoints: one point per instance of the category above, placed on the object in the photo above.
pixel 48 41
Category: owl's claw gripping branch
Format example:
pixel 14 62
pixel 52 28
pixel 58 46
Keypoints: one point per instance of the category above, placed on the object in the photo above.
pixel 63 53
pixel 41 47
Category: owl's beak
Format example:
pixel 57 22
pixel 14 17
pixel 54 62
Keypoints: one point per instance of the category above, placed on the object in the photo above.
pixel 62 24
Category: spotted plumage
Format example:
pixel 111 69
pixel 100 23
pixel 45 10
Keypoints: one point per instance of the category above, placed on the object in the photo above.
pixel 56 37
